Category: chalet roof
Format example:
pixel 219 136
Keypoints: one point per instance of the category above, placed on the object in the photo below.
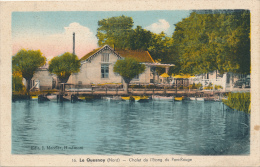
pixel 141 56
pixel 90 54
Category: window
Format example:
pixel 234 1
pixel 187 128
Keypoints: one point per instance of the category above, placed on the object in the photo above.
pixel 105 57
pixel 104 70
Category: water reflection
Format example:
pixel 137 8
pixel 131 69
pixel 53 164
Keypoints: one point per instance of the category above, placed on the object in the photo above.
pixel 118 127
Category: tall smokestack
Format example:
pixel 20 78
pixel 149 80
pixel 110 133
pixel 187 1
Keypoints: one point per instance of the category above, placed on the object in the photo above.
pixel 74 43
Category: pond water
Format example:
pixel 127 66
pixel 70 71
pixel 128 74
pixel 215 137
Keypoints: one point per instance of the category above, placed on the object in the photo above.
pixel 120 127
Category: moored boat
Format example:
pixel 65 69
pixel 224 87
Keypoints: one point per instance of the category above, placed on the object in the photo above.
pixel 75 98
pixel 157 97
pixel 141 98
pixel 66 98
pixel 114 98
pixel 178 98
pixel 200 99
pixel 127 98
pixel 52 97
pixel 90 97
pixel 35 97
pixel 106 98
pixel 192 98
pixel 137 98
pixel 81 98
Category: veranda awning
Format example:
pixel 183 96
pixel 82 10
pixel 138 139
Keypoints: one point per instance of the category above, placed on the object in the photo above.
pixel 164 75
pixel 183 76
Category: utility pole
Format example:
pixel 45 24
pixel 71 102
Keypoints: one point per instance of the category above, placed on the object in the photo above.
pixel 74 43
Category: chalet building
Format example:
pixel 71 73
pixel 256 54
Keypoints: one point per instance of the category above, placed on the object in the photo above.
pixel 97 67
pixel 43 79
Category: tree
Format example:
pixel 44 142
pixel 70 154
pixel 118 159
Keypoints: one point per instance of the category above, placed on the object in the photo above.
pixel 17 79
pixel 27 62
pixel 140 39
pixel 63 66
pixel 161 50
pixel 128 68
pixel 208 42
pixel 115 31
pixel 118 32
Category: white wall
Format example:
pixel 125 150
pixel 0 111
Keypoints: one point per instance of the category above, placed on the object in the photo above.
pixel 144 77
pixel 44 77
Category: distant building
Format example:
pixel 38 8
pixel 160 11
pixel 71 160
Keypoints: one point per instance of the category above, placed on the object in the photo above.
pixel 97 67
pixel 225 80
pixel 43 79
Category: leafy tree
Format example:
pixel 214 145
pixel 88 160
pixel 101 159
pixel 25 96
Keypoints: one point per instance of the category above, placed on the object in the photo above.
pixel 63 66
pixel 159 47
pixel 140 39
pixel 208 42
pixel 118 32
pixel 115 31
pixel 17 84
pixel 27 62
pixel 128 68
pixel 162 51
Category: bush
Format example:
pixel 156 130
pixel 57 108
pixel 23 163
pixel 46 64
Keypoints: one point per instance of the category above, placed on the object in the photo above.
pixel 195 86
pixel 238 101
pixel 209 87
pixel 20 92
pixel 17 85
pixel 218 87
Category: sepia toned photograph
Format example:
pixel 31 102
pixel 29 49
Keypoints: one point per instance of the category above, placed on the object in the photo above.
pixel 132 87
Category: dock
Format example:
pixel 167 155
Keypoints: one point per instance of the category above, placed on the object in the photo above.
pixel 98 93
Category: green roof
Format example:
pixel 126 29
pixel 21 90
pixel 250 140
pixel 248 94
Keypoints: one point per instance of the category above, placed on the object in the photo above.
pixel 89 54
pixel 141 56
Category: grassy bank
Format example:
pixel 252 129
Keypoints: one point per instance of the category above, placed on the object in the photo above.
pixel 22 95
pixel 239 101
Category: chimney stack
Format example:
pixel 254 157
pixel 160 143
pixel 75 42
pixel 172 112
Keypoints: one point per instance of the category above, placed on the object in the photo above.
pixel 74 43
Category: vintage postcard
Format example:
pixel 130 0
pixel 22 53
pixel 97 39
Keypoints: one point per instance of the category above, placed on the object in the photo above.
pixel 120 83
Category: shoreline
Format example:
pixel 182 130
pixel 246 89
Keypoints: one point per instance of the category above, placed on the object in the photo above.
pixel 208 94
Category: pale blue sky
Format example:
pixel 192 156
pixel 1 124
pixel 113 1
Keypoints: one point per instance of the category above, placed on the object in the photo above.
pixel 32 27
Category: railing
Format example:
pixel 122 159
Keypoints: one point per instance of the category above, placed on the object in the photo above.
pixel 206 82
pixel 34 86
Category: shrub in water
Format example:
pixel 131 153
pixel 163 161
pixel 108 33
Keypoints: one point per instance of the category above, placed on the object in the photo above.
pixel 238 101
